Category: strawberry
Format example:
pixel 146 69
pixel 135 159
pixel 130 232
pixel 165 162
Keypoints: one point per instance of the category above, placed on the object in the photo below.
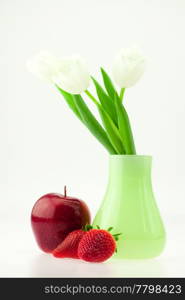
pixel 97 245
pixel 69 246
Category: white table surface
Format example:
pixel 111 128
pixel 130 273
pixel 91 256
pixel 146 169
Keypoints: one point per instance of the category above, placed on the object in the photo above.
pixel 20 257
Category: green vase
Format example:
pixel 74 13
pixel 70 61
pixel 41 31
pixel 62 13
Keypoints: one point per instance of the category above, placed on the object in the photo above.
pixel 129 206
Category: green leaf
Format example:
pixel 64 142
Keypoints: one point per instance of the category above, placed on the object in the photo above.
pixel 70 101
pixel 116 236
pixel 108 84
pixel 88 227
pixel 112 131
pixel 124 127
pixel 106 101
pixel 92 124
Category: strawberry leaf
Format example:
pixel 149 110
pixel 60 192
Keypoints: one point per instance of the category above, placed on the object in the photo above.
pixel 116 236
pixel 88 227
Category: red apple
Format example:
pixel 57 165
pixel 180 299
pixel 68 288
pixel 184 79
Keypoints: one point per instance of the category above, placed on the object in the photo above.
pixel 54 216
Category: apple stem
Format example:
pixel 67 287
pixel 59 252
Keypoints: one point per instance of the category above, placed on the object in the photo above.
pixel 65 191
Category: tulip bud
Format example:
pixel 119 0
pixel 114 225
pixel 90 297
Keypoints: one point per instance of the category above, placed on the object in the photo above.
pixel 44 66
pixel 73 76
pixel 70 74
pixel 128 67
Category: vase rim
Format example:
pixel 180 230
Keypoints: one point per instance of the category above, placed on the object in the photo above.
pixel 131 155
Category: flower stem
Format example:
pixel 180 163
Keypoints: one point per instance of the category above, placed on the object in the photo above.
pixel 92 97
pixel 65 191
pixel 122 93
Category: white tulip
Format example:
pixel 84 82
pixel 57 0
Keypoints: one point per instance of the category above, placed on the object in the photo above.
pixel 73 76
pixel 70 73
pixel 44 65
pixel 128 67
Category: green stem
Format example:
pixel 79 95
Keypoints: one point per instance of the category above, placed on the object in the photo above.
pixel 110 128
pixel 122 94
pixel 124 127
pixel 92 97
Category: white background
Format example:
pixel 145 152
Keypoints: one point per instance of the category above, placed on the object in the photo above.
pixel 43 146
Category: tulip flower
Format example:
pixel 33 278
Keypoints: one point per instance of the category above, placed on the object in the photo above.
pixel 73 76
pixel 44 65
pixel 128 67
pixel 70 74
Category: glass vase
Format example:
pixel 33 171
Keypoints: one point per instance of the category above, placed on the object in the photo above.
pixel 129 206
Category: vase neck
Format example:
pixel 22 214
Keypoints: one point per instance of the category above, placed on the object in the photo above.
pixel 135 166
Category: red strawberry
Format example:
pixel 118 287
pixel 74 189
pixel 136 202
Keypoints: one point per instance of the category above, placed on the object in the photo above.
pixel 97 245
pixel 69 246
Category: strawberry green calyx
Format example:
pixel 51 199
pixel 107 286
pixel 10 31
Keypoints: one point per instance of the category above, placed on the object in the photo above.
pixel 116 236
pixel 89 227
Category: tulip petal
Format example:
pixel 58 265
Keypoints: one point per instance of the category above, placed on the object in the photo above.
pixel 73 76
pixel 43 65
pixel 128 67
